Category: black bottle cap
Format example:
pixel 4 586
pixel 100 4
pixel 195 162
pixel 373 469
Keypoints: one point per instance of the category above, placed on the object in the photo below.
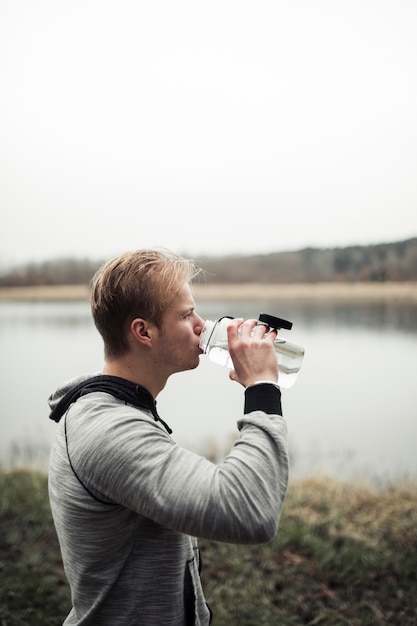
pixel 274 322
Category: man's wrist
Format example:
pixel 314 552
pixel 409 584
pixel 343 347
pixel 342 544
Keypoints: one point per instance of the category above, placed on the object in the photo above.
pixel 263 382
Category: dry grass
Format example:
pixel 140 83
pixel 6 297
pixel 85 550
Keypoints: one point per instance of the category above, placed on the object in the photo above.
pixel 350 292
pixel 48 293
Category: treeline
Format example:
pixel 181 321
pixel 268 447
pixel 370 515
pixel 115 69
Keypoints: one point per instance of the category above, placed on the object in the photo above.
pixel 65 271
pixel 382 262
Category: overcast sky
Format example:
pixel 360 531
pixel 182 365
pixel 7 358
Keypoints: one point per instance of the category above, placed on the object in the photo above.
pixel 205 127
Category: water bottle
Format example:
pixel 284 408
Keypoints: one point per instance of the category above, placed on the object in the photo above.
pixel 213 342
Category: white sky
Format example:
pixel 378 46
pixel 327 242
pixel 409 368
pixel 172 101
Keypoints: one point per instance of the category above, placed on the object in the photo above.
pixel 205 127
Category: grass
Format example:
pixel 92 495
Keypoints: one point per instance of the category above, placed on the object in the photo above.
pixel 345 555
pixel 33 587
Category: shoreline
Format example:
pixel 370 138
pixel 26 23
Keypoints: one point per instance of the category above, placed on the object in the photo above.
pixel 352 292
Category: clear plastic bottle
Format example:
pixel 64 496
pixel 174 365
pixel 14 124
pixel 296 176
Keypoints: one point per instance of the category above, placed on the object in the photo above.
pixel 213 341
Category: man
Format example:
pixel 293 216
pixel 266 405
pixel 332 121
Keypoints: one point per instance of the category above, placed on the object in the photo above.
pixel 128 502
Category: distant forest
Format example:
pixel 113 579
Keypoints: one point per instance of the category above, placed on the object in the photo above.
pixel 381 262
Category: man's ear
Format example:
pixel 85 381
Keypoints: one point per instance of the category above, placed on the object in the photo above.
pixel 142 331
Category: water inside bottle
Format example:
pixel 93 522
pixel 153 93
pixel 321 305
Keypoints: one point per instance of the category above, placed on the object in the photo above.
pixel 290 358
pixel 221 356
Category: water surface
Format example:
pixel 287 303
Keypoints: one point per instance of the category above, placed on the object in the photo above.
pixel 351 412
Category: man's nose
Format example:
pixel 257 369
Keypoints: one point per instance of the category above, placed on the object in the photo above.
pixel 200 324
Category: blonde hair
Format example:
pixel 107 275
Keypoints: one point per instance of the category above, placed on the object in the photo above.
pixel 142 283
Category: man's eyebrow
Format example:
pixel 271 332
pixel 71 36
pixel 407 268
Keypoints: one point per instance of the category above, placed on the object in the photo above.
pixel 188 309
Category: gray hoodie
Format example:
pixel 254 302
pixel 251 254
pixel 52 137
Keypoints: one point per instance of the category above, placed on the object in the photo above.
pixel 128 502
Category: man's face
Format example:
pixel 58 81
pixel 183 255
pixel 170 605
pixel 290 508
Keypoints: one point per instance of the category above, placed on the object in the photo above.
pixel 178 346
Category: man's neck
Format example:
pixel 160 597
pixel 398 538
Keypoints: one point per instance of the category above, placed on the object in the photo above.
pixel 124 368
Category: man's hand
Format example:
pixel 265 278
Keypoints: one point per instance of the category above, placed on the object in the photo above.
pixel 252 351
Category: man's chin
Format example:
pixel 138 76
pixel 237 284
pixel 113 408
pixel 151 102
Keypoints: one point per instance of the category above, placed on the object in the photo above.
pixel 196 364
pixel 187 368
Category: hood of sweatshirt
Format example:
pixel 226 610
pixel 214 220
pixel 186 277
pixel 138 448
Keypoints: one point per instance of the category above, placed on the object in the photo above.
pixel 125 390
pixel 62 390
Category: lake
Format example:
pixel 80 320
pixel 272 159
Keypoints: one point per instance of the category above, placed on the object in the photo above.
pixel 351 413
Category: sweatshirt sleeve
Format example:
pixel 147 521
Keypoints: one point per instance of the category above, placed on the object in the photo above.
pixel 131 462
